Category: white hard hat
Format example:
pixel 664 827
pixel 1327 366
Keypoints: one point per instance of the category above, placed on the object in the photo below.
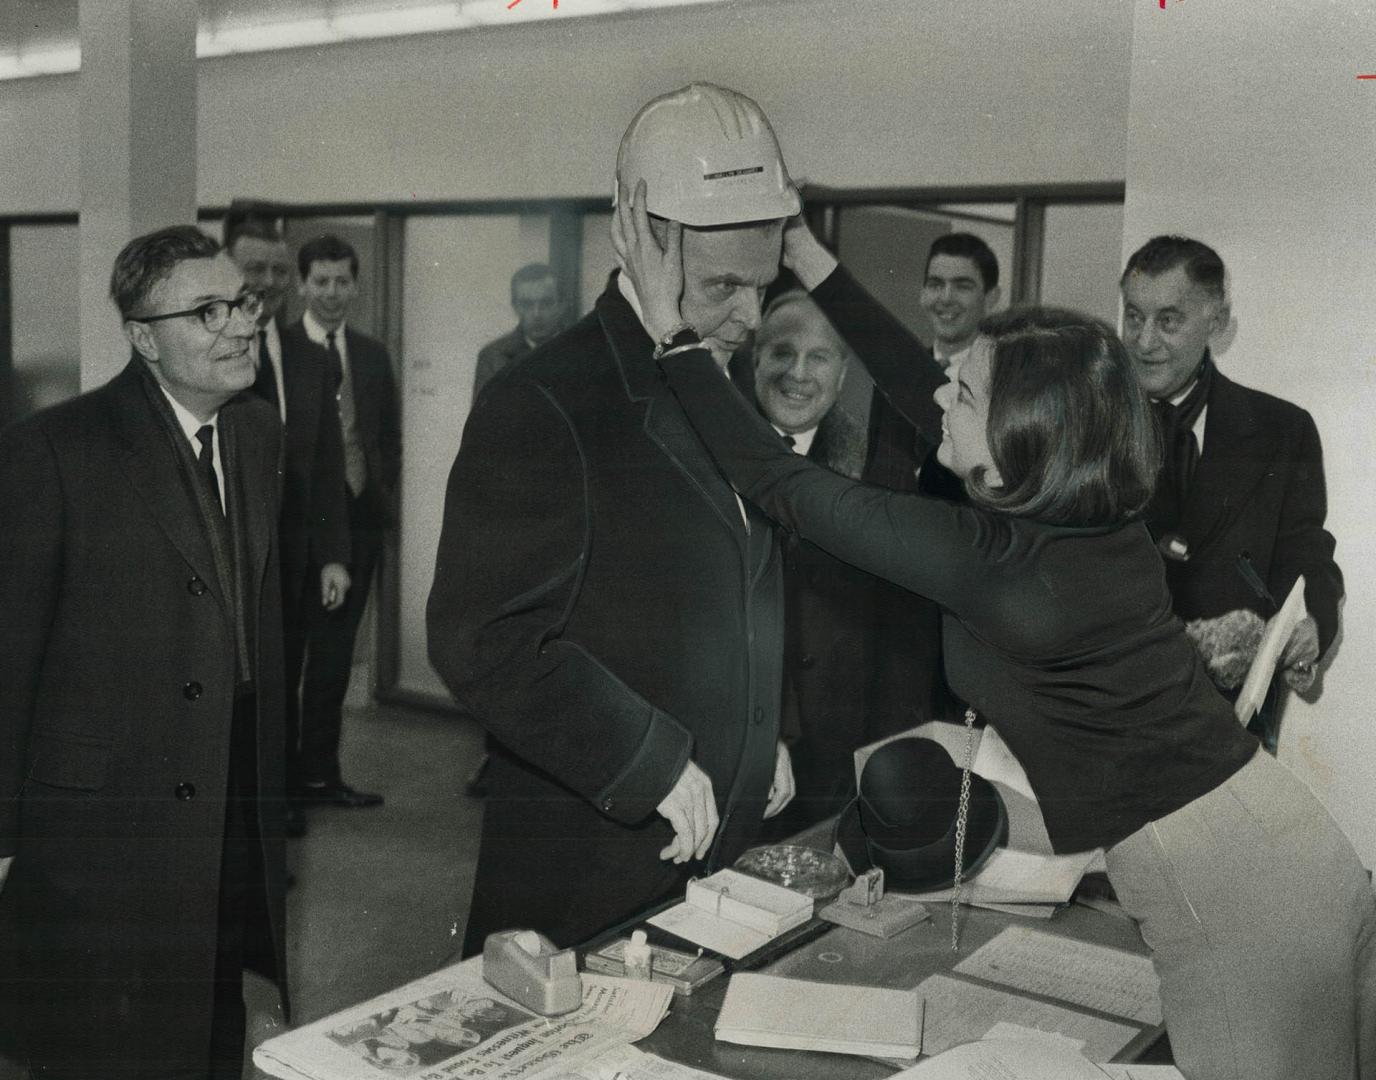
pixel 708 157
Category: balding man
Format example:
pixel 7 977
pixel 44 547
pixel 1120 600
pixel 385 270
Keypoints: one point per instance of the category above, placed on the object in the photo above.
pixel 603 603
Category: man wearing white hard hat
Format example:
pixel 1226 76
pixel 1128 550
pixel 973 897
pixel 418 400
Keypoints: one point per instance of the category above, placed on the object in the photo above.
pixel 603 604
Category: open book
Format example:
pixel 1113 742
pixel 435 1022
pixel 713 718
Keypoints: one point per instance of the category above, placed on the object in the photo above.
pixel 734 914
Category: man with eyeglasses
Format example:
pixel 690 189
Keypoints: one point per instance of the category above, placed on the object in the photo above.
pixel 141 792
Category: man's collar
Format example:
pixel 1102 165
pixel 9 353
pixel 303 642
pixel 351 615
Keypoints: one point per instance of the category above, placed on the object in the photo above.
pixel 1184 392
pixel 315 329
pixel 802 440
pixel 186 420
pixel 946 359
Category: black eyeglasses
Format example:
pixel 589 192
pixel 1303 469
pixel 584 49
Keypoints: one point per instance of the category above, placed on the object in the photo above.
pixel 214 314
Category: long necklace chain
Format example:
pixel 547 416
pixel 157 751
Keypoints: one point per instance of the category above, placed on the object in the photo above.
pixel 961 816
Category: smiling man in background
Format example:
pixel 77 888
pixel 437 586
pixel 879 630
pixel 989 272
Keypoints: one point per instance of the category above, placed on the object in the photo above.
pixel 364 392
pixel 800 366
pixel 1240 502
pixel 294 375
pixel 141 781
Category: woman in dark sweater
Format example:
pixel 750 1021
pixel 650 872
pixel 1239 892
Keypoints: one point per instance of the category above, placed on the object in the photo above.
pixel 1059 631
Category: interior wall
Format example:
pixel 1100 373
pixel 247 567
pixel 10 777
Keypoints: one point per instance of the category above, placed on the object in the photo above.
pixel 44 262
pixel 456 298
pixel 536 110
pixel 1080 263
pixel 1249 130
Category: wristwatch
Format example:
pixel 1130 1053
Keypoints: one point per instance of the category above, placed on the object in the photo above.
pixel 681 337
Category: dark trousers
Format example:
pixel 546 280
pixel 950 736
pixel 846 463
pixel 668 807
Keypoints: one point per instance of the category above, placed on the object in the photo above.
pixel 299 600
pixel 330 637
pixel 56 1049
pixel 245 936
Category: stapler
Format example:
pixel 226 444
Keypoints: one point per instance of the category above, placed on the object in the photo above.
pixel 528 968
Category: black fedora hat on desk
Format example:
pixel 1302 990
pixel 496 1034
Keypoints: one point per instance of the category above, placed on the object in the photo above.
pixel 904 818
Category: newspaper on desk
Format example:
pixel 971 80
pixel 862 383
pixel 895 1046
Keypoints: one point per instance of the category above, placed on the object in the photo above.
pixel 454 1026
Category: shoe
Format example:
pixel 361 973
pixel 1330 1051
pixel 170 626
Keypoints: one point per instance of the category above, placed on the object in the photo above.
pixel 295 822
pixel 337 794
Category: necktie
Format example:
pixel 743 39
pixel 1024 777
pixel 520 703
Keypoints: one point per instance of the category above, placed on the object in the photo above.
pixel 1179 446
pixel 265 383
pixel 336 361
pixel 205 461
pixel 791 441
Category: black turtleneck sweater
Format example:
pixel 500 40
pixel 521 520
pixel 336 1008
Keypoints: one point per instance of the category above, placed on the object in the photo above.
pixel 1062 638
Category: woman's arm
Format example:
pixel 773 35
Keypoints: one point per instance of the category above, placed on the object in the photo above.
pixel 902 367
pixel 928 546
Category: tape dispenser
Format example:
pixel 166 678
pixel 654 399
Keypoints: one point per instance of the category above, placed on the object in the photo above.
pixel 528 968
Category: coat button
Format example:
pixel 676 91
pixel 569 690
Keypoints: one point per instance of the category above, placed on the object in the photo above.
pixel 196 587
pixel 807 661
pixel 759 715
pixel 185 792
pixel 191 691
pixel 606 805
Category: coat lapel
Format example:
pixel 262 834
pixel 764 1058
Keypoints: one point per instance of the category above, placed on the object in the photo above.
pixel 1236 458
pixel 665 422
pixel 150 461
pixel 247 463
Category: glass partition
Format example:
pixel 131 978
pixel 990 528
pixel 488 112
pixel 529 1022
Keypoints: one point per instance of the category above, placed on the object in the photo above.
pixel 457 273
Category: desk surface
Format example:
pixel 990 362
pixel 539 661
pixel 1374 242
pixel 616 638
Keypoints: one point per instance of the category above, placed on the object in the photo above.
pixel 842 955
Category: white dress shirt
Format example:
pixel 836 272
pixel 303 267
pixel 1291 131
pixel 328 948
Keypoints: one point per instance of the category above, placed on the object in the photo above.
pixel 1198 428
pixel 802 440
pixel 274 339
pixel 355 467
pixel 190 425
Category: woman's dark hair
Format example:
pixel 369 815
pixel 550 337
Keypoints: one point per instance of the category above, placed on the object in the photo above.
pixel 1070 430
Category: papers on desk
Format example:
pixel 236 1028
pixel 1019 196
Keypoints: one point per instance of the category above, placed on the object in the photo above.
pixel 770 1010
pixel 1273 642
pixel 960 1012
pixel 1014 1053
pixel 1093 976
pixel 1012 879
pixel 628 1063
pixel 734 914
pixel 454 1026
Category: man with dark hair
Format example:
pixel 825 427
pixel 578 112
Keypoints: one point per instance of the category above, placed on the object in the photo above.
pixel 539 305
pixel 141 787
pixel 603 603
pixel 1240 502
pixel 960 286
pixel 294 375
pixel 360 374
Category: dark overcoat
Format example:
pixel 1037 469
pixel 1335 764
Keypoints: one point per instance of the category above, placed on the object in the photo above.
pixel 117 687
pixel 602 608
pixel 1257 491
pixel 315 520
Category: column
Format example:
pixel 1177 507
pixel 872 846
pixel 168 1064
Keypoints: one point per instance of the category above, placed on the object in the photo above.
pixel 138 149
